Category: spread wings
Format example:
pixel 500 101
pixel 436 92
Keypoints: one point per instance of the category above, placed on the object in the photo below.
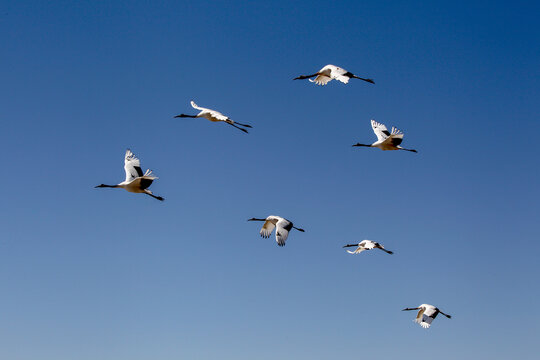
pixel 132 166
pixel 267 229
pixel 380 130
pixel 282 231
pixel 210 114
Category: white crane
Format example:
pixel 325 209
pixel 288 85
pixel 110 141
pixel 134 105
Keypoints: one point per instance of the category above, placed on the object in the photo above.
pixel 366 245
pixel 385 139
pixel 214 116
pixel 282 226
pixel 331 72
pixel 426 314
pixel 136 181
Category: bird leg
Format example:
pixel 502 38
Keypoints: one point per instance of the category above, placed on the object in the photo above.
pixel 239 128
pixel 246 125
pixel 149 193
pixel 368 80
pixel 386 251
pixel 448 316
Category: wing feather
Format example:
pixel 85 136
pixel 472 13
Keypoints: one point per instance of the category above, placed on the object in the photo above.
pixel 380 130
pixel 281 231
pixel 195 106
pixel 132 166
pixel 267 229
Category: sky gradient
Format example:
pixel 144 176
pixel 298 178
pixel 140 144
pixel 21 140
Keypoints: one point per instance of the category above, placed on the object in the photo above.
pixel 104 274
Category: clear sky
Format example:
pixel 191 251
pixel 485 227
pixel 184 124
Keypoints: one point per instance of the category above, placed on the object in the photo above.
pixel 105 274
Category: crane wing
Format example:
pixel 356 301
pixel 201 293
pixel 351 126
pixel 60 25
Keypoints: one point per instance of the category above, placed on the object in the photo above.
pixel 132 166
pixel 281 235
pixel 340 74
pixel 396 136
pixel 380 130
pixel 218 116
pixel 195 106
pixel 267 229
pixel 426 321
pixel 321 80
pixel 419 315
pixel 358 250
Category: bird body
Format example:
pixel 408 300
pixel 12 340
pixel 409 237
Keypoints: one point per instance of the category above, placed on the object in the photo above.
pixel 329 73
pixel 214 116
pixel 136 181
pixel 426 314
pixel 386 140
pixel 366 245
pixel 282 226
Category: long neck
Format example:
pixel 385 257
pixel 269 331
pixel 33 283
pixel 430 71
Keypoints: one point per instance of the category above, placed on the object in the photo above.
pixel 254 219
pixel 108 186
pixel 185 116
pixel 366 145
pixel 302 77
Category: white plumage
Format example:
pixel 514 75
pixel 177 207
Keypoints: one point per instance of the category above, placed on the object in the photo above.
pixel 426 314
pixel 136 181
pixel 366 245
pixel 214 116
pixel 331 72
pixel 281 225
pixel 386 140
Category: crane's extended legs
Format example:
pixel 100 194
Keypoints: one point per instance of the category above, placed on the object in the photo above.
pixel 149 193
pixel 239 128
pixel 386 251
pixel 448 316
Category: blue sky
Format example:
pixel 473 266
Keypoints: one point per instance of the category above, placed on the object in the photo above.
pixel 104 274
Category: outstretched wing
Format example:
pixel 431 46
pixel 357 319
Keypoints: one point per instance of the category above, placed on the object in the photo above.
pixel 419 315
pixel 267 229
pixel 281 236
pixel 340 74
pixel 358 250
pixel 195 106
pixel 218 116
pixel 132 165
pixel 397 136
pixel 321 80
pixel 380 130
pixel 426 321
pixel 283 227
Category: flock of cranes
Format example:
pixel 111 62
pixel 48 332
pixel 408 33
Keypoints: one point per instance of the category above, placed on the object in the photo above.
pixel 138 181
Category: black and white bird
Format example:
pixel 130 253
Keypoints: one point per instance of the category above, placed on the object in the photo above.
pixel 386 140
pixel 214 116
pixel 282 226
pixel 136 181
pixel 331 72
pixel 426 314
pixel 366 245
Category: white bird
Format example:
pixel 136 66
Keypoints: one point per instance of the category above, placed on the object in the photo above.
pixel 213 116
pixel 426 314
pixel 366 245
pixel 385 139
pixel 136 181
pixel 282 226
pixel 331 72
